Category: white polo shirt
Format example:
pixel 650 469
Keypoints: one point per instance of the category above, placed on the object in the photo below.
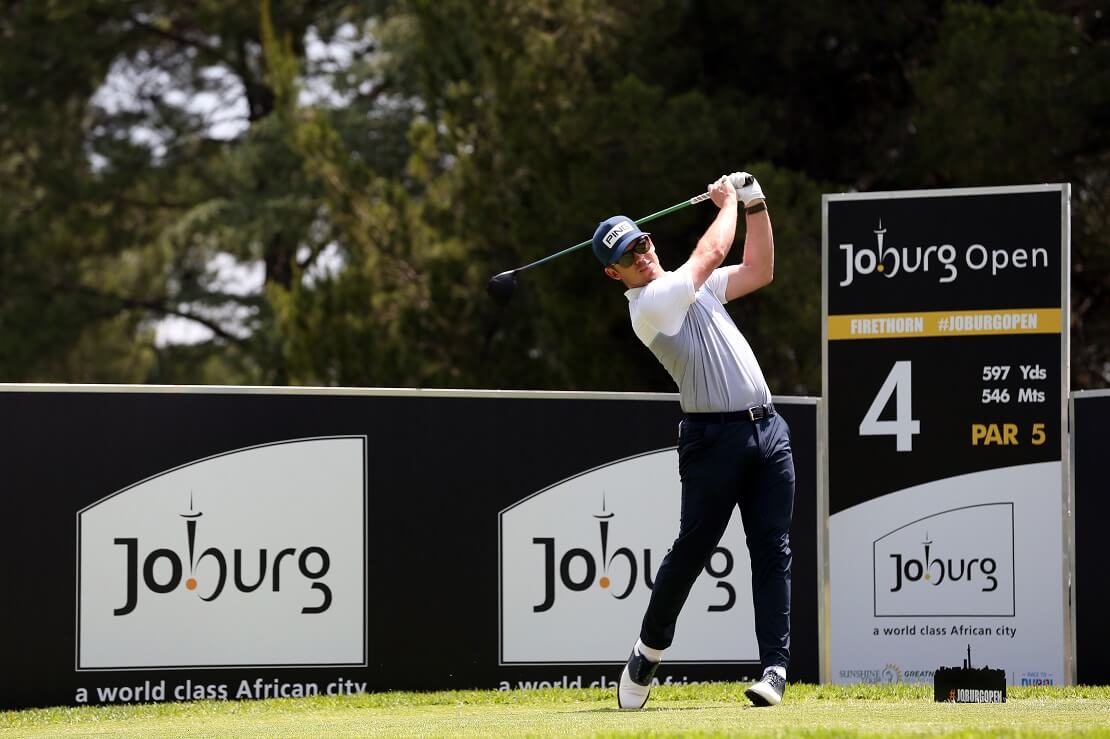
pixel 697 342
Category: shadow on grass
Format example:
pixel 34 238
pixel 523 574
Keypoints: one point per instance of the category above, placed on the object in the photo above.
pixel 657 709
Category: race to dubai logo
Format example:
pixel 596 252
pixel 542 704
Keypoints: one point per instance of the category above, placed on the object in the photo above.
pixel 578 561
pixel 251 557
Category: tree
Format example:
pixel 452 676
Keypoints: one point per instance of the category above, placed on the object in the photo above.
pixel 322 189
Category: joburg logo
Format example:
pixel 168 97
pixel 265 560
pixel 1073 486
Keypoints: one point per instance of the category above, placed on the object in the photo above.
pixel 249 557
pixel 936 570
pixel 311 563
pixel 578 569
pixel 578 561
pixel 943 259
pixel 615 233
pixel 958 562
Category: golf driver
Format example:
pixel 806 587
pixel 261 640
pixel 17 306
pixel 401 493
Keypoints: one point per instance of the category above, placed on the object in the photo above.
pixel 501 286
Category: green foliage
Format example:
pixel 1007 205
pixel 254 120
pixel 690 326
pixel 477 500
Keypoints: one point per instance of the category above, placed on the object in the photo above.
pixel 376 162
pixel 989 68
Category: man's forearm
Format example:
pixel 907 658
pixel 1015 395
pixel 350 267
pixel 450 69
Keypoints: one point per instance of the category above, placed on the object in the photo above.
pixel 717 239
pixel 759 242
pixel 714 244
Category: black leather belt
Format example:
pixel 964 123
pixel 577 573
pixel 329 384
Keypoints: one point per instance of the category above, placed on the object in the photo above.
pixel 755 413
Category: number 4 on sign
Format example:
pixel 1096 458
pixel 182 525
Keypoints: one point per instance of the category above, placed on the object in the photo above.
pixel 903 427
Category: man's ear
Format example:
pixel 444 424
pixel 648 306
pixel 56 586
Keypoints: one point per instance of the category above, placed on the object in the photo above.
pixel 613 273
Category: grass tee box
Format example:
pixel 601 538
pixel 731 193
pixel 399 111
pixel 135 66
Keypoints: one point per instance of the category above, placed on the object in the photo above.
pixel 713 709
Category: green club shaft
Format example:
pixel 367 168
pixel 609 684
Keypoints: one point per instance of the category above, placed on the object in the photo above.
pixel 645 219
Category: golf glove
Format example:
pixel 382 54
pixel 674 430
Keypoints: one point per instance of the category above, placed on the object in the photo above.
pixel 748 192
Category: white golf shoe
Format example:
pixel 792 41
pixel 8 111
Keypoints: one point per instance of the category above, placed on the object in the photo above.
pixel 768 691
pixel 635 682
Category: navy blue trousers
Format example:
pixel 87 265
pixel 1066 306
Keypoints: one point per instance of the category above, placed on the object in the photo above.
pixel 742 464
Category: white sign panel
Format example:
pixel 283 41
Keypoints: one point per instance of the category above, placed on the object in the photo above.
pixel 248 558
pixel 577 563
pixel 955 562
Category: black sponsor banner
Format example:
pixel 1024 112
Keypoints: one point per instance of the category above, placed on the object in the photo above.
pixel 1090 430
pixel 977 403
pixel 944 335
pixel 947 250
pixel 169 544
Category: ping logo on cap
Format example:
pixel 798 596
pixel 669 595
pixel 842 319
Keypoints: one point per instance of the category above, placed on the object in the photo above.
pixel 616 232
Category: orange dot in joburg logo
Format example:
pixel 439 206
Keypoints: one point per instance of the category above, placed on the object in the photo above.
pixel 880 268
pixel 603 582
pixel 191 584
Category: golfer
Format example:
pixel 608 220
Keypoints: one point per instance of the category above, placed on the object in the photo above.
pixel 733 448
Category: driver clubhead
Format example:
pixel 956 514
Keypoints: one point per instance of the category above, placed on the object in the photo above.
pixel 501 287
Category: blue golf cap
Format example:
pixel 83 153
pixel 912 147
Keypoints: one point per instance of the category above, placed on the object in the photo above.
pixel 613 237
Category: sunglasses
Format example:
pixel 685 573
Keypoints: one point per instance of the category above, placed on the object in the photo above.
pixel 640 247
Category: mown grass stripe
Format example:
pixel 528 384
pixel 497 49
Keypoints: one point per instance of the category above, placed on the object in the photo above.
pixel 713 709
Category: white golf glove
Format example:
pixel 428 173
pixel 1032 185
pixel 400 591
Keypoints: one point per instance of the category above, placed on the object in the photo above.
pixel 746 192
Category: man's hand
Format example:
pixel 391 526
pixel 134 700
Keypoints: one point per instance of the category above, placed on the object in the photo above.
pixel 747 192
pixel 722 191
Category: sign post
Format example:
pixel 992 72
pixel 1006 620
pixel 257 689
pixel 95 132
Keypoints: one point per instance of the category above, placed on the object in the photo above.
pixel 945 385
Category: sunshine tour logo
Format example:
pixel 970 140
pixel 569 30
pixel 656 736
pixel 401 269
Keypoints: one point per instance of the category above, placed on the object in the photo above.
pixel 941 259
pixel 578 569
pixel 938 570
pixel 311 563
